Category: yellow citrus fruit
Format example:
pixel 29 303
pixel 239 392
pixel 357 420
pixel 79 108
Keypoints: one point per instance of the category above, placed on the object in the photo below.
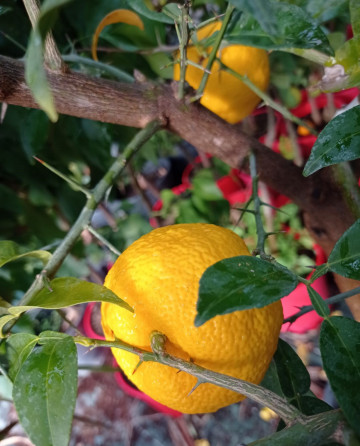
pixel 224 94
pixel 158 275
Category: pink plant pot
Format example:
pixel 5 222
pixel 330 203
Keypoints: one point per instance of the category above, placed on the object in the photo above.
pixel 122 382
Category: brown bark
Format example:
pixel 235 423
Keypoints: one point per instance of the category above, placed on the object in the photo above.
pixel 326 214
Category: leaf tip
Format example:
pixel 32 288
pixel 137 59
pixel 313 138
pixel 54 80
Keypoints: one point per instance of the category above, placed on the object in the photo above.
pixel 199 320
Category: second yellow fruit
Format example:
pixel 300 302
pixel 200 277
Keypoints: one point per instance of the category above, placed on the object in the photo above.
pixel 224 94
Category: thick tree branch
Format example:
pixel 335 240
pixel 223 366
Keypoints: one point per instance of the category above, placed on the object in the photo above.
pixel 326 215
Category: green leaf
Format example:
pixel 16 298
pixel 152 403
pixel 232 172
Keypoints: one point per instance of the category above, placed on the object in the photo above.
pixel 340 351
pixel 35 74
pixel 310 405
pixel 173 11
pixel 68 291
pixel 49 336
pixel 19 347
pixel 271 380
pixel 5 320
pixel 318 302
pixel 45 391
pixel 294 29
pixel 264 13
pixel 324 11
pixel 205 187
pixel 339 141
pixel 293 375
pixel 344 259
pixel 34 134
pixel 241 283
pixel 10 251
pixel 140 8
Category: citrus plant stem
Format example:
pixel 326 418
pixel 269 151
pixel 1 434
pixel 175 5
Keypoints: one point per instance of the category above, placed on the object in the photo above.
pixel 103 240
pixel 286 411
pixel 260 231
pixel 95 197
pixel 118 74
pixel 330 301
pixel 268 100
pixel 212 57
pixel 183 36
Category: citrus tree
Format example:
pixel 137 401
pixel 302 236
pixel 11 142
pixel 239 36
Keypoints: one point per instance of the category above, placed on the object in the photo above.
pixel 85 87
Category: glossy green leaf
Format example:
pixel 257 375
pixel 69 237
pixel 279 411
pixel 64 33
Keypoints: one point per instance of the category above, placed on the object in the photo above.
pixel 19 347
pixel 240 283
pixel 344 259
pixel 264 13
pixel 10 251
pixel 318 303
pixel 140 7
pixel 293 375
pixel 294 29
pixel 339 141
pixel 35 74
pixel 45 391
pixel 340 351
pixel 67 291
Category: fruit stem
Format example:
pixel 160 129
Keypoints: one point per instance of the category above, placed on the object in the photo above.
pixel 84 218
pixel 212 57
pixel 289 413
pixel 268 100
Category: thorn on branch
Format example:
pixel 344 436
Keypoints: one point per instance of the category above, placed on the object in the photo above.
pixel 198 382
pixel 137 365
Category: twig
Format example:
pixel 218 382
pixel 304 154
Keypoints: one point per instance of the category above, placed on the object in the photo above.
pixel 103 240
pixel 330 301
pixel 83 220
pixel 115 72
pixel 64 177
pixel 229 10
pixel 286 411
pixel 52 55
pixel 260 231
pixel 183 36
pixel 268 100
